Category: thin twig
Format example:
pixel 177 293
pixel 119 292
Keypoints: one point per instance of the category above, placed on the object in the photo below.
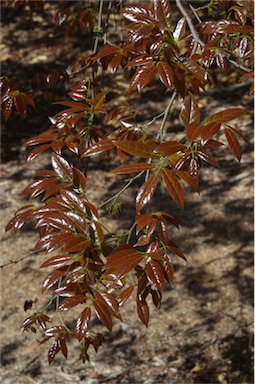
pixel 195 13
pixel 15 261
pixel 161 132
pixel 190 24
pixel 121 191
pixel 239 66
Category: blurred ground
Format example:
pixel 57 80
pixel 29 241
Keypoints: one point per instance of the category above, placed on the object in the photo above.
pixel 203 333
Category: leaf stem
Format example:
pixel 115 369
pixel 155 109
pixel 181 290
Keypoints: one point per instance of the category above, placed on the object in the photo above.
pixel 121 191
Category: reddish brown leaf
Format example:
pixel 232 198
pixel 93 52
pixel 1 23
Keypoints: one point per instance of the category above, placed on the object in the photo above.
pixel 97 148
pixel 70 302
pixel 207 158
pixel 73 201
pixel 53 277
pixel 54 349
pixel 233 143
pixel 190 112
pixel 117 258
pixel 173 186
pixel 163 233
pixel 142 310
pixel 110 302
pixel 166 74
pixel 136 148
pixel 103 314
pixel 146 192
pixel 124 296
pixel 147 221
pixel 33 154
pixel 138 14
pixel 180 29
pixel 193 172
pixel 169 148
pixel 123 262
pixel 132 168
pixel 166 217
pixel 56 261
pixel 155 273
pixel 207 131
pixel 224 116
pixel 168 269
pixel 193 131
pixel 172 246
pixel 82 323
pixel 163 13
pixel 142 77
pixel 62 168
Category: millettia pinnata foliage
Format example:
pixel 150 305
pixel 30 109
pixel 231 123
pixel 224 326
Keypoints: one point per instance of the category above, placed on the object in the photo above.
pixel 91 268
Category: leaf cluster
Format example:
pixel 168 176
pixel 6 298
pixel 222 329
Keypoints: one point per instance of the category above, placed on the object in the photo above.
pixel 92 268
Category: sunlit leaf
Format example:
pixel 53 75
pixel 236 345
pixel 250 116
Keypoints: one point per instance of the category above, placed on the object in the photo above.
pixel 146 192
pixel 82 323
pixel 224 116
pixel 155 273
pixel 173 186
pixel 190 112
pixel 132 168
pixel 142 310
pixel 136 148
pixel 62 168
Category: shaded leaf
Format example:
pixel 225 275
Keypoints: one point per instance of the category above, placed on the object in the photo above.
pixel 233 143
pixel 103 314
